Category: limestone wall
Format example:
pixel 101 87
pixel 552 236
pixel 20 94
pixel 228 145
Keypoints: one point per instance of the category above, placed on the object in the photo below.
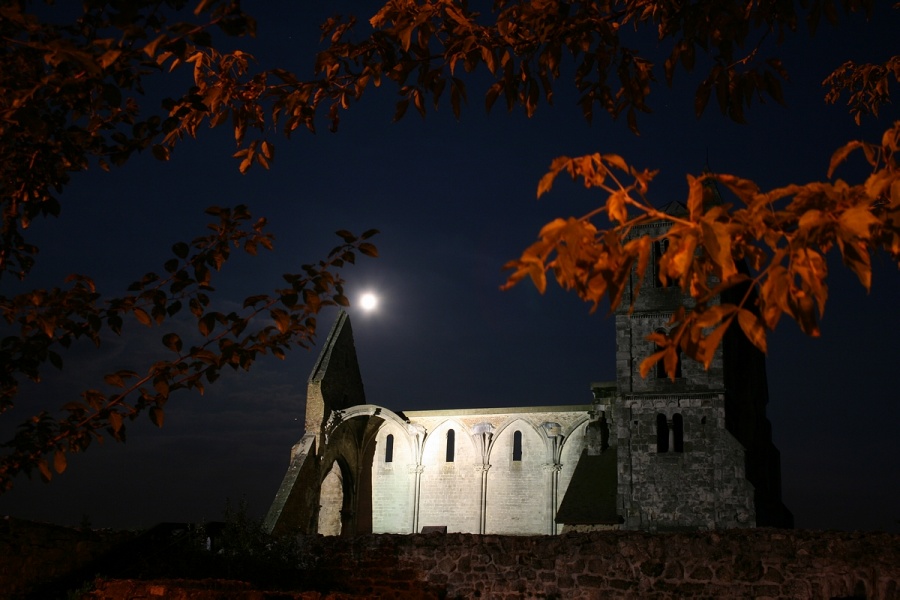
pixel 489 482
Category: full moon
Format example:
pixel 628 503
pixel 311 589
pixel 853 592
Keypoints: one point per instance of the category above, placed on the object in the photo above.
pixel 368 302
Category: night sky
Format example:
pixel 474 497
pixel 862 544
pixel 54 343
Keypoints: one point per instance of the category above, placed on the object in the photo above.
pixel 455 200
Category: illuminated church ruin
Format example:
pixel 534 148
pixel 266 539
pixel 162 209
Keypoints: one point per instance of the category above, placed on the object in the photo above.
pixel 649 454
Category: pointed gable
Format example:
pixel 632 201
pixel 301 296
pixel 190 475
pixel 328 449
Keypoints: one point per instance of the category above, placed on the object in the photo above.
pixel 335 382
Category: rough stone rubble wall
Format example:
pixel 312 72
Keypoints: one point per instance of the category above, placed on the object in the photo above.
pixel 749 563
pixel 702 487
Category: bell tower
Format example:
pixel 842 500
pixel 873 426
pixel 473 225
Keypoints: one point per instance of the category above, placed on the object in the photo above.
pixel 695 452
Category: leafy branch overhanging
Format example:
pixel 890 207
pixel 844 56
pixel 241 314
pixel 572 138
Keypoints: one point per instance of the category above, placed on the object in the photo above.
pixel 73 99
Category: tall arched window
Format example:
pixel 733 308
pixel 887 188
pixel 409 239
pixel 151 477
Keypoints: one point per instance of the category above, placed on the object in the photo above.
pixel 451 443
pixel 662 433
pixel 677 433
pixel 517 446
pixel 389 448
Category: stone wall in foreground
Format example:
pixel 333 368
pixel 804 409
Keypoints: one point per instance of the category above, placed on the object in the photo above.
pixel 751 563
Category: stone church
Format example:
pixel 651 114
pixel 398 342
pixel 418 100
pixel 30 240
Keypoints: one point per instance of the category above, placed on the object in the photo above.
pixel 641 453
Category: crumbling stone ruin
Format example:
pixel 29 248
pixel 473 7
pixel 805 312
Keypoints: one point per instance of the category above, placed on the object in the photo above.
pixel 647 454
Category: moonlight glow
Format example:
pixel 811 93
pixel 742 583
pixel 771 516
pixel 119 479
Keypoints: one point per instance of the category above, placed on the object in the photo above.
pixel 368 302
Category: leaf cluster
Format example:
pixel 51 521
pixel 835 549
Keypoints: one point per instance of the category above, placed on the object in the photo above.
pixel 71 96
pixel 47 321
pixel 867 85
pixel 72 92
pixel 770 247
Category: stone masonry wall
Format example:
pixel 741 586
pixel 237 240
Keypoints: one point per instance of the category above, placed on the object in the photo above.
pixel 702 487
pixel 749 563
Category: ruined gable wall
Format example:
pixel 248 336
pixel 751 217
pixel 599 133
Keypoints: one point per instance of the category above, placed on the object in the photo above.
pixel 335 382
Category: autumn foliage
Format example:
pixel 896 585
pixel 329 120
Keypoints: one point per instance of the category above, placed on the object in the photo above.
pixel 73 99
pixel 48 320
pixel 775 241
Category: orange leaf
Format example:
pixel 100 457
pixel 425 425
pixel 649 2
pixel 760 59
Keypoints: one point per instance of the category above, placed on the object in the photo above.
pixel 753 329
pixel 682 257
pixel 670 361
pixel 650 361
pixel 44 469
pixel 717 242
pixel 840 155
pixel 616 161
pixel 115 421
pixel 857 221
pixel 859 262
pixel 714 315
pixel 745 189
pixel 142 316
pixel 157 415
pixel 535 269
pixel 695 197
pixel 616 206
pixel 707 345
pixel 59 460
pixel 552 229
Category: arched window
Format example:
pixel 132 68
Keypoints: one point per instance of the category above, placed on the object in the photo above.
pixel 389 448
pixel 517 446
pixel 677 433
pixel 662 433
pixel 451 443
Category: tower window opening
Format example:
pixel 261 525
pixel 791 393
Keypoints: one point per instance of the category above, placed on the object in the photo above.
pixel 662 433
pixel 677 433
pixel 389 448
pixel 517 446
pixel 451 443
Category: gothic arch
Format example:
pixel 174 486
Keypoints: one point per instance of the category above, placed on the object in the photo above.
pixel 386 415
pixel 436 438
pixel 567 433
pixel 569 454
pixel 393 491
pixel 517 501
pixel 447 488
pixel 510 422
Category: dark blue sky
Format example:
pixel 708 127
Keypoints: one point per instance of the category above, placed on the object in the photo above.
pixel 454 201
